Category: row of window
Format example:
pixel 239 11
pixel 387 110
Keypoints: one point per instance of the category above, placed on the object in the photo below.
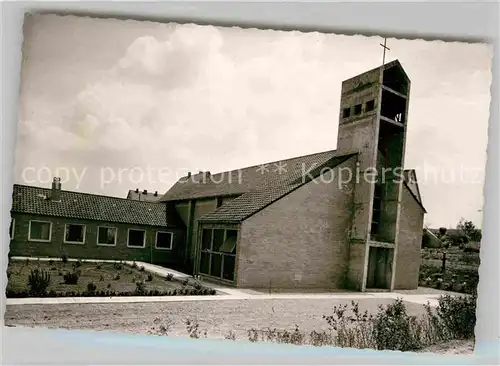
pixel 41 231
pixel 357 109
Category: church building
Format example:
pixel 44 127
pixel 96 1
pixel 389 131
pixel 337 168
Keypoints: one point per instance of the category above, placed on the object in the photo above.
pixel 349 218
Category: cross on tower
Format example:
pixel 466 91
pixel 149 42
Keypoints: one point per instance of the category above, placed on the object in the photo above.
pixel 385 48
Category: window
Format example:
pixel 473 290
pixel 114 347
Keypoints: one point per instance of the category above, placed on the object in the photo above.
pixel 164 240
pixel 74 234
pixel 218 239
pixel 370 105
pixel 106 235
pixel 229 245
pixel 12 228
pixel 218 253
pixel 219 202
pixel 136 238
pixel 377 203
pixel 206 240
pixel 357 109
pixel 346 112
pixel 40 231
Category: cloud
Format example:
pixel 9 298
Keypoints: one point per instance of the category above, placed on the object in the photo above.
pixel 199 97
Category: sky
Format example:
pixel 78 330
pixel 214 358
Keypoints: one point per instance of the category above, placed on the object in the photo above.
pixel 111 105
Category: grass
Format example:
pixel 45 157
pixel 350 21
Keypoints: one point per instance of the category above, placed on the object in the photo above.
pixel 110 277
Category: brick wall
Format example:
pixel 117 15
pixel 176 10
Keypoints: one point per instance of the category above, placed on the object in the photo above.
pixel 409 242
pixel 303 234
pixel 22 246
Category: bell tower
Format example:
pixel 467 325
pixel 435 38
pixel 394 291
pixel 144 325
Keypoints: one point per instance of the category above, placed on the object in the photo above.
pixel 373 120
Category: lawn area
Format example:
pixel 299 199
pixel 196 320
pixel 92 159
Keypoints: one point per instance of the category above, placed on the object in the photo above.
pixel 95 279
pixel 461 270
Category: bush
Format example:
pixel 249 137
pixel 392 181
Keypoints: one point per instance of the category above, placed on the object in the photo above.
pixel 116 277
pixel 150 277
pixel 117 266
pixel 98 266
pixel 71 278
pixel 169 277
pixel 141 269
pixel 394 329
pixel 91 287
pixel 457 315
pixel 134 265
pixel 78 263
pixel 140 288
pixel 38 282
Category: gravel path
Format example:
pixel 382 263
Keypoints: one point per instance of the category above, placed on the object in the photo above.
pixel 215 317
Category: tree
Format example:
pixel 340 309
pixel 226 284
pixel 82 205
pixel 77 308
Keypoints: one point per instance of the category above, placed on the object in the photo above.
pixel 469 230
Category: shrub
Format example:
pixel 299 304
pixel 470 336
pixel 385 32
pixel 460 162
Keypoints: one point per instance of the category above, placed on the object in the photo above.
pixel 78 263
pixel 134 265
pixel 198 286
pixel 71 278
pixel 98 266
pixel 118 266
pixel 91 287
pixel 38 282
pixel 141 269
pixel 101 278
pixel 394 329
pixel 109 285
pixel 230 335
pixel 192 327
pixel 150 277
pixel 458 315
pixel 140 288
pixel 169 277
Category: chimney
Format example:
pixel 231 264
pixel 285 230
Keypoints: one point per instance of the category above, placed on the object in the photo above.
pixel 189 174
pixel 145 191
pixel 137 190
pixel 55 193
pixel 156 193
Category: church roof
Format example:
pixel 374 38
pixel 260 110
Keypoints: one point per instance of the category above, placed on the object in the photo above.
pixel 270 191
pixel 260 185
pixel 239 181
pixel 86 206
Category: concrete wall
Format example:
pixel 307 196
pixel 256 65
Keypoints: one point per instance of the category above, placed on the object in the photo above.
pixel 22 246
pixel 303 236
pixel 409 242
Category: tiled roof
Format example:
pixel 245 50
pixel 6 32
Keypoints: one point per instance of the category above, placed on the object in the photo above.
pixel 31 200
pixel 237 182
pixel 141 196
pixel 270 191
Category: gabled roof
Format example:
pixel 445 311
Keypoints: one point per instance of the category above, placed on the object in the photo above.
pixel 237 182
pixel 141 196
pixel 270 191
pixel 411 183
pixel 33 200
